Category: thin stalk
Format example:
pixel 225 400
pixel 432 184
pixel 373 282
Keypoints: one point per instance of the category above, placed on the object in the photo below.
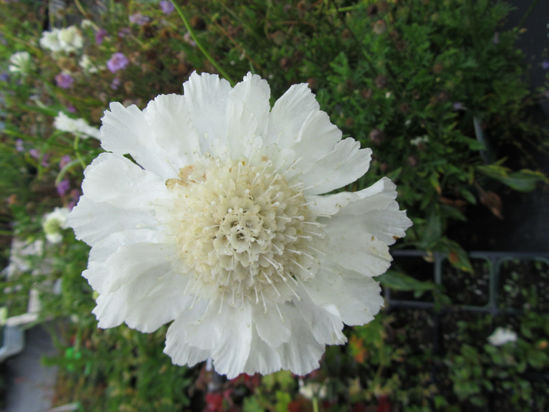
pixel 199 45
pixel 76 140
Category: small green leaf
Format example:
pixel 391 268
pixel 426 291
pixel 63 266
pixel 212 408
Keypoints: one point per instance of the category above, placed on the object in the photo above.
pixel 524 180
pixel 400 281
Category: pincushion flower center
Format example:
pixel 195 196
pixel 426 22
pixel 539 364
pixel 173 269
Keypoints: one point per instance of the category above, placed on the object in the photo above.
pixel 245 233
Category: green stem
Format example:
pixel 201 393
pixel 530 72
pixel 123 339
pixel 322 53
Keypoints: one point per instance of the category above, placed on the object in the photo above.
pixel 315 404
pixel 76 140
pixel 199 45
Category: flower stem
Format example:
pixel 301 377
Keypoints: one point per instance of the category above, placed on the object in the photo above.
pixel 315 404
pixel 199 45
pixel 75 146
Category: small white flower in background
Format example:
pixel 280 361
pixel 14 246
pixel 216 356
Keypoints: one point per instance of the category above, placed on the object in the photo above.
pixel 20 62
pixel 312 390
pixel 416 141
pixel 54 222
pixel 501 336
pixel 86 24
pixel 78 127
pixel 66 40
pixel 87 65
pixel 21 253
pixel 224 226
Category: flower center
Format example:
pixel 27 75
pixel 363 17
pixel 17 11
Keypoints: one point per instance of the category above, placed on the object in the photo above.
pixel 243 230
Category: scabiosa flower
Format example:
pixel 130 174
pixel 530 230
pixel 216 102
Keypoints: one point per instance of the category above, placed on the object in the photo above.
pixel 166 6
pixel 117 62
pixel 65 160
pixel 54 222
pixel 63 187
pixel 20 62
pixel 223 226
pixel 78 127
pixel 139 19
pixel 100 36
pixel 64 80
pixel 501 336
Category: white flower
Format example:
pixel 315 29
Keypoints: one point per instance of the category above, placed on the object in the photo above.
pixel 54 222
pixel 78 127
pixel 67 40
pixel 87 65
pixel 21 253
pixel 312 390
pixel 222 227
pixel 416 141
pixel 501 336
pixel 20 62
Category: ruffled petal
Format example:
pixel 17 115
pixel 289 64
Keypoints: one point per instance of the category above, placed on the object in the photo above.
pixel 356 298
pixel 206 97
pixel 92 221
pixel 170 122
pixel 247 117
pixel 117 181
pixel 289 114
pixel 341 166
pixel 270 326
pixel 126 131
pixel 141 287
pixel 350 246
pixel 263 359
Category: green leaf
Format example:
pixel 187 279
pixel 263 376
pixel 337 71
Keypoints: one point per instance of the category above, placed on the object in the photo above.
pixel 524 180
pixel 400 281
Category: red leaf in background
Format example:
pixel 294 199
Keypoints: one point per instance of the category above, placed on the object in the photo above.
pixel 214 402
pixel 383 404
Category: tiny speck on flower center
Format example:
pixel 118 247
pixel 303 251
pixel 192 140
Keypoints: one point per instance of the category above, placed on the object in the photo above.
pixel 243 230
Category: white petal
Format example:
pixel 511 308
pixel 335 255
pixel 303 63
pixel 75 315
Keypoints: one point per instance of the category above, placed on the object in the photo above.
pixel 356 298
pixel 182 353
pixel 289 114
pixel 324 321
pixel 303 352
pixel 125 130
pixel 352 247
pixel 141 287
pixel 233 348
pixel 327 205
pixel 263 359
pixel 343 165
pixel 270 327
pixel 92 222
pixel 118 181
pixel 206 97
pixel 97 272
pixel 170 122
pixel 247 116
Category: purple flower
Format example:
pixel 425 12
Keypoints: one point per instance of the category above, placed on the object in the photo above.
pixel 45 160
pixel 139 19
pixel 100 36
pixel 459 106
pixel 71 108
pixel 65 160
pixel 4 77
pixel 115 84
pixel 75 195
pixel 64 80
pixel 545 65
pixel 117 62
pixel 63 186
pixel 166 6
pixel 34 153
pixel 19 145
pixel 124 32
